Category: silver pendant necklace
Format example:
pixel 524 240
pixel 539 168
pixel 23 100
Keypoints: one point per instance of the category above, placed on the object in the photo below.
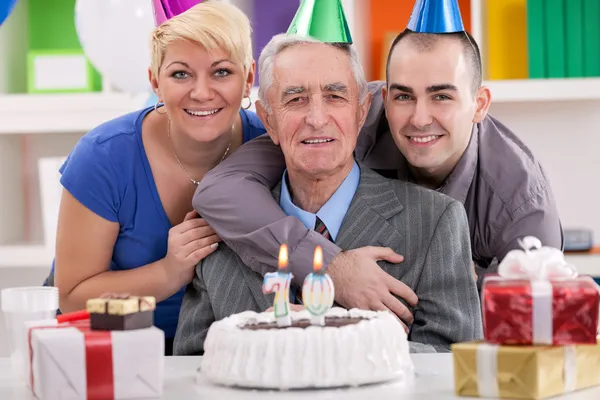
pixel 195 182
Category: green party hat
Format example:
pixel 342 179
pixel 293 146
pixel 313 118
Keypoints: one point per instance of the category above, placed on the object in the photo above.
pixel 323 20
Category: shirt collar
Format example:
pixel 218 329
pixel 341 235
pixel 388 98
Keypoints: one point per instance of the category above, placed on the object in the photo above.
pixel 333 211
pixel 459 181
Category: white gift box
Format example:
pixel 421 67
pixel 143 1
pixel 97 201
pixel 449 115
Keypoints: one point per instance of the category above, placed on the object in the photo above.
pixel 58 363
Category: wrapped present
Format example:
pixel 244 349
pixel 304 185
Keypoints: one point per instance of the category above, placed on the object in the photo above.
pixel 523 372
pixel 72 360
pixel 537 298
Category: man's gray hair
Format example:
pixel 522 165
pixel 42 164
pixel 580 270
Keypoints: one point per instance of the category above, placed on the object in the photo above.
pixel 281 42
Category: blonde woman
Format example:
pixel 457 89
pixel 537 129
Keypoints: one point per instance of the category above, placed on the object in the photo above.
pixel 126 220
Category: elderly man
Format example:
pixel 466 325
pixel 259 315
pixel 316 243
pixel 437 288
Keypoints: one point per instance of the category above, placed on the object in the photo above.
pixel 428 124
pixel 314 101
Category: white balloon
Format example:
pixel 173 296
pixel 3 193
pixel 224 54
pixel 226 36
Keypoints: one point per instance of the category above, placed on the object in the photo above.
pixel 115 36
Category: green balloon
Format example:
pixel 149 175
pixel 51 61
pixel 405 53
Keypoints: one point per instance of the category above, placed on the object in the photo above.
pixel 323 20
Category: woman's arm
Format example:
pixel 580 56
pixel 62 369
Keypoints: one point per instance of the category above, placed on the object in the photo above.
pixel 84 248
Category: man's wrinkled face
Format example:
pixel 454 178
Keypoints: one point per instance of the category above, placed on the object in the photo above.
pixel 430 105
pixel 316 114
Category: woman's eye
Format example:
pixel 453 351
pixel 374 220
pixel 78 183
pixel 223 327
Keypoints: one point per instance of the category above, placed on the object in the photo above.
pixel 179 75
pixel 222 72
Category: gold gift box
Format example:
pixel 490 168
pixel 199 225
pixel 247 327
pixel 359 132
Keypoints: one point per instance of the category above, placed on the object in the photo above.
pixel 526 372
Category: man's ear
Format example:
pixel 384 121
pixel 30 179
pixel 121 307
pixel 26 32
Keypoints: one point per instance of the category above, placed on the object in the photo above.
pixel 364 109
pixel 483 99
pixel 384 93
pixel 267 120
pixel 154 84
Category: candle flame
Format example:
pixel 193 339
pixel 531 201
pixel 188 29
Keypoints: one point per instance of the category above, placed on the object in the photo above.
pixel 318 260
pixel 283 256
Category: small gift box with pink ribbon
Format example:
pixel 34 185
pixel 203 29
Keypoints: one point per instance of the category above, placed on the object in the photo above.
pixel 537 298
pixel 115 354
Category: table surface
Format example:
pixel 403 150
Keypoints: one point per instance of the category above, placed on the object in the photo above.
pixel 434 381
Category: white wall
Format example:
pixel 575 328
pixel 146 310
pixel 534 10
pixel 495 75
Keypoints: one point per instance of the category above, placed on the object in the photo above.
pixel 564 136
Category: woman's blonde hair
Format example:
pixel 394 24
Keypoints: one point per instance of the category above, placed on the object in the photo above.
pixel 211 24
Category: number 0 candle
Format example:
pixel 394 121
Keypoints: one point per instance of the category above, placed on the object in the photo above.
pixel 318 291
pixel 279 283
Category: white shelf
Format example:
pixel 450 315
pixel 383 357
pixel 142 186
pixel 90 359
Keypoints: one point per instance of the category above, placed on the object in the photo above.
pixel 66 113
pixel 544 90
pixel 26 256
pixel 61 113
pixel 39 256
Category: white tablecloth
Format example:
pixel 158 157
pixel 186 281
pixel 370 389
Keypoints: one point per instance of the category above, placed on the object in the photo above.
pixel 434 381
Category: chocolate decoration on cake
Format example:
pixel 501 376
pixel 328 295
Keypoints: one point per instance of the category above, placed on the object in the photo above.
pixel 121 312
pixel 333 322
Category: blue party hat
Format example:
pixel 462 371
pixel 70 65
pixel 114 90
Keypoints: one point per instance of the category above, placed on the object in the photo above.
pixel 436 16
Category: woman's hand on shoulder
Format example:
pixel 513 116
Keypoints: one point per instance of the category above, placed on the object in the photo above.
pixel 189 242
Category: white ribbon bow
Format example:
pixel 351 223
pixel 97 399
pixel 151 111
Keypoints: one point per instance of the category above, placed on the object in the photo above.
pixel 535 262
pixel 540 265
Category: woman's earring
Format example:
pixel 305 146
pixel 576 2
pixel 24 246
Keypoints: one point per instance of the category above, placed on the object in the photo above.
pixel 249 102
pixel 156 108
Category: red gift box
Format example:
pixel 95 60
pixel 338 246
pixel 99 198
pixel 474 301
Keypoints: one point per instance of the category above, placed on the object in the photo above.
pixel 537 298
pixel 526 312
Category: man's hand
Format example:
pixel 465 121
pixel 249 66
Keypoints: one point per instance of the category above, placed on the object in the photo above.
pixel 360 283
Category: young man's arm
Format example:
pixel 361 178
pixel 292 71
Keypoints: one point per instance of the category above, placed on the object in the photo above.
pixel 235 198
pixel 537 217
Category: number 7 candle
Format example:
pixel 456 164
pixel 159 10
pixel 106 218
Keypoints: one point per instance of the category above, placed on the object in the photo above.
pixel 318 291
pixel 279 282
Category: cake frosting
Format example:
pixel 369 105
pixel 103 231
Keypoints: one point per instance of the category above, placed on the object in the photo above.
pixel 356 347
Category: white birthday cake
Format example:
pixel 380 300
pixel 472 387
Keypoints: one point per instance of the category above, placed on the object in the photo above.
pixel 355 347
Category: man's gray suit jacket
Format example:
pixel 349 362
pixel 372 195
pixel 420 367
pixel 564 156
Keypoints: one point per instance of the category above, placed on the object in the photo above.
pixel 428 228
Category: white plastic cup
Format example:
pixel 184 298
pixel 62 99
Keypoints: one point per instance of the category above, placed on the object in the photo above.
pixel 23 304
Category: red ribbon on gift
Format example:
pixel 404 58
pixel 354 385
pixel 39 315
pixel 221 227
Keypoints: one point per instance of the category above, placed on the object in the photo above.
pixel 98 359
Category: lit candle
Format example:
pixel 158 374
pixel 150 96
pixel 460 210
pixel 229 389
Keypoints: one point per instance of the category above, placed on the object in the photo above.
pixel 318 291
pixel 279 282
